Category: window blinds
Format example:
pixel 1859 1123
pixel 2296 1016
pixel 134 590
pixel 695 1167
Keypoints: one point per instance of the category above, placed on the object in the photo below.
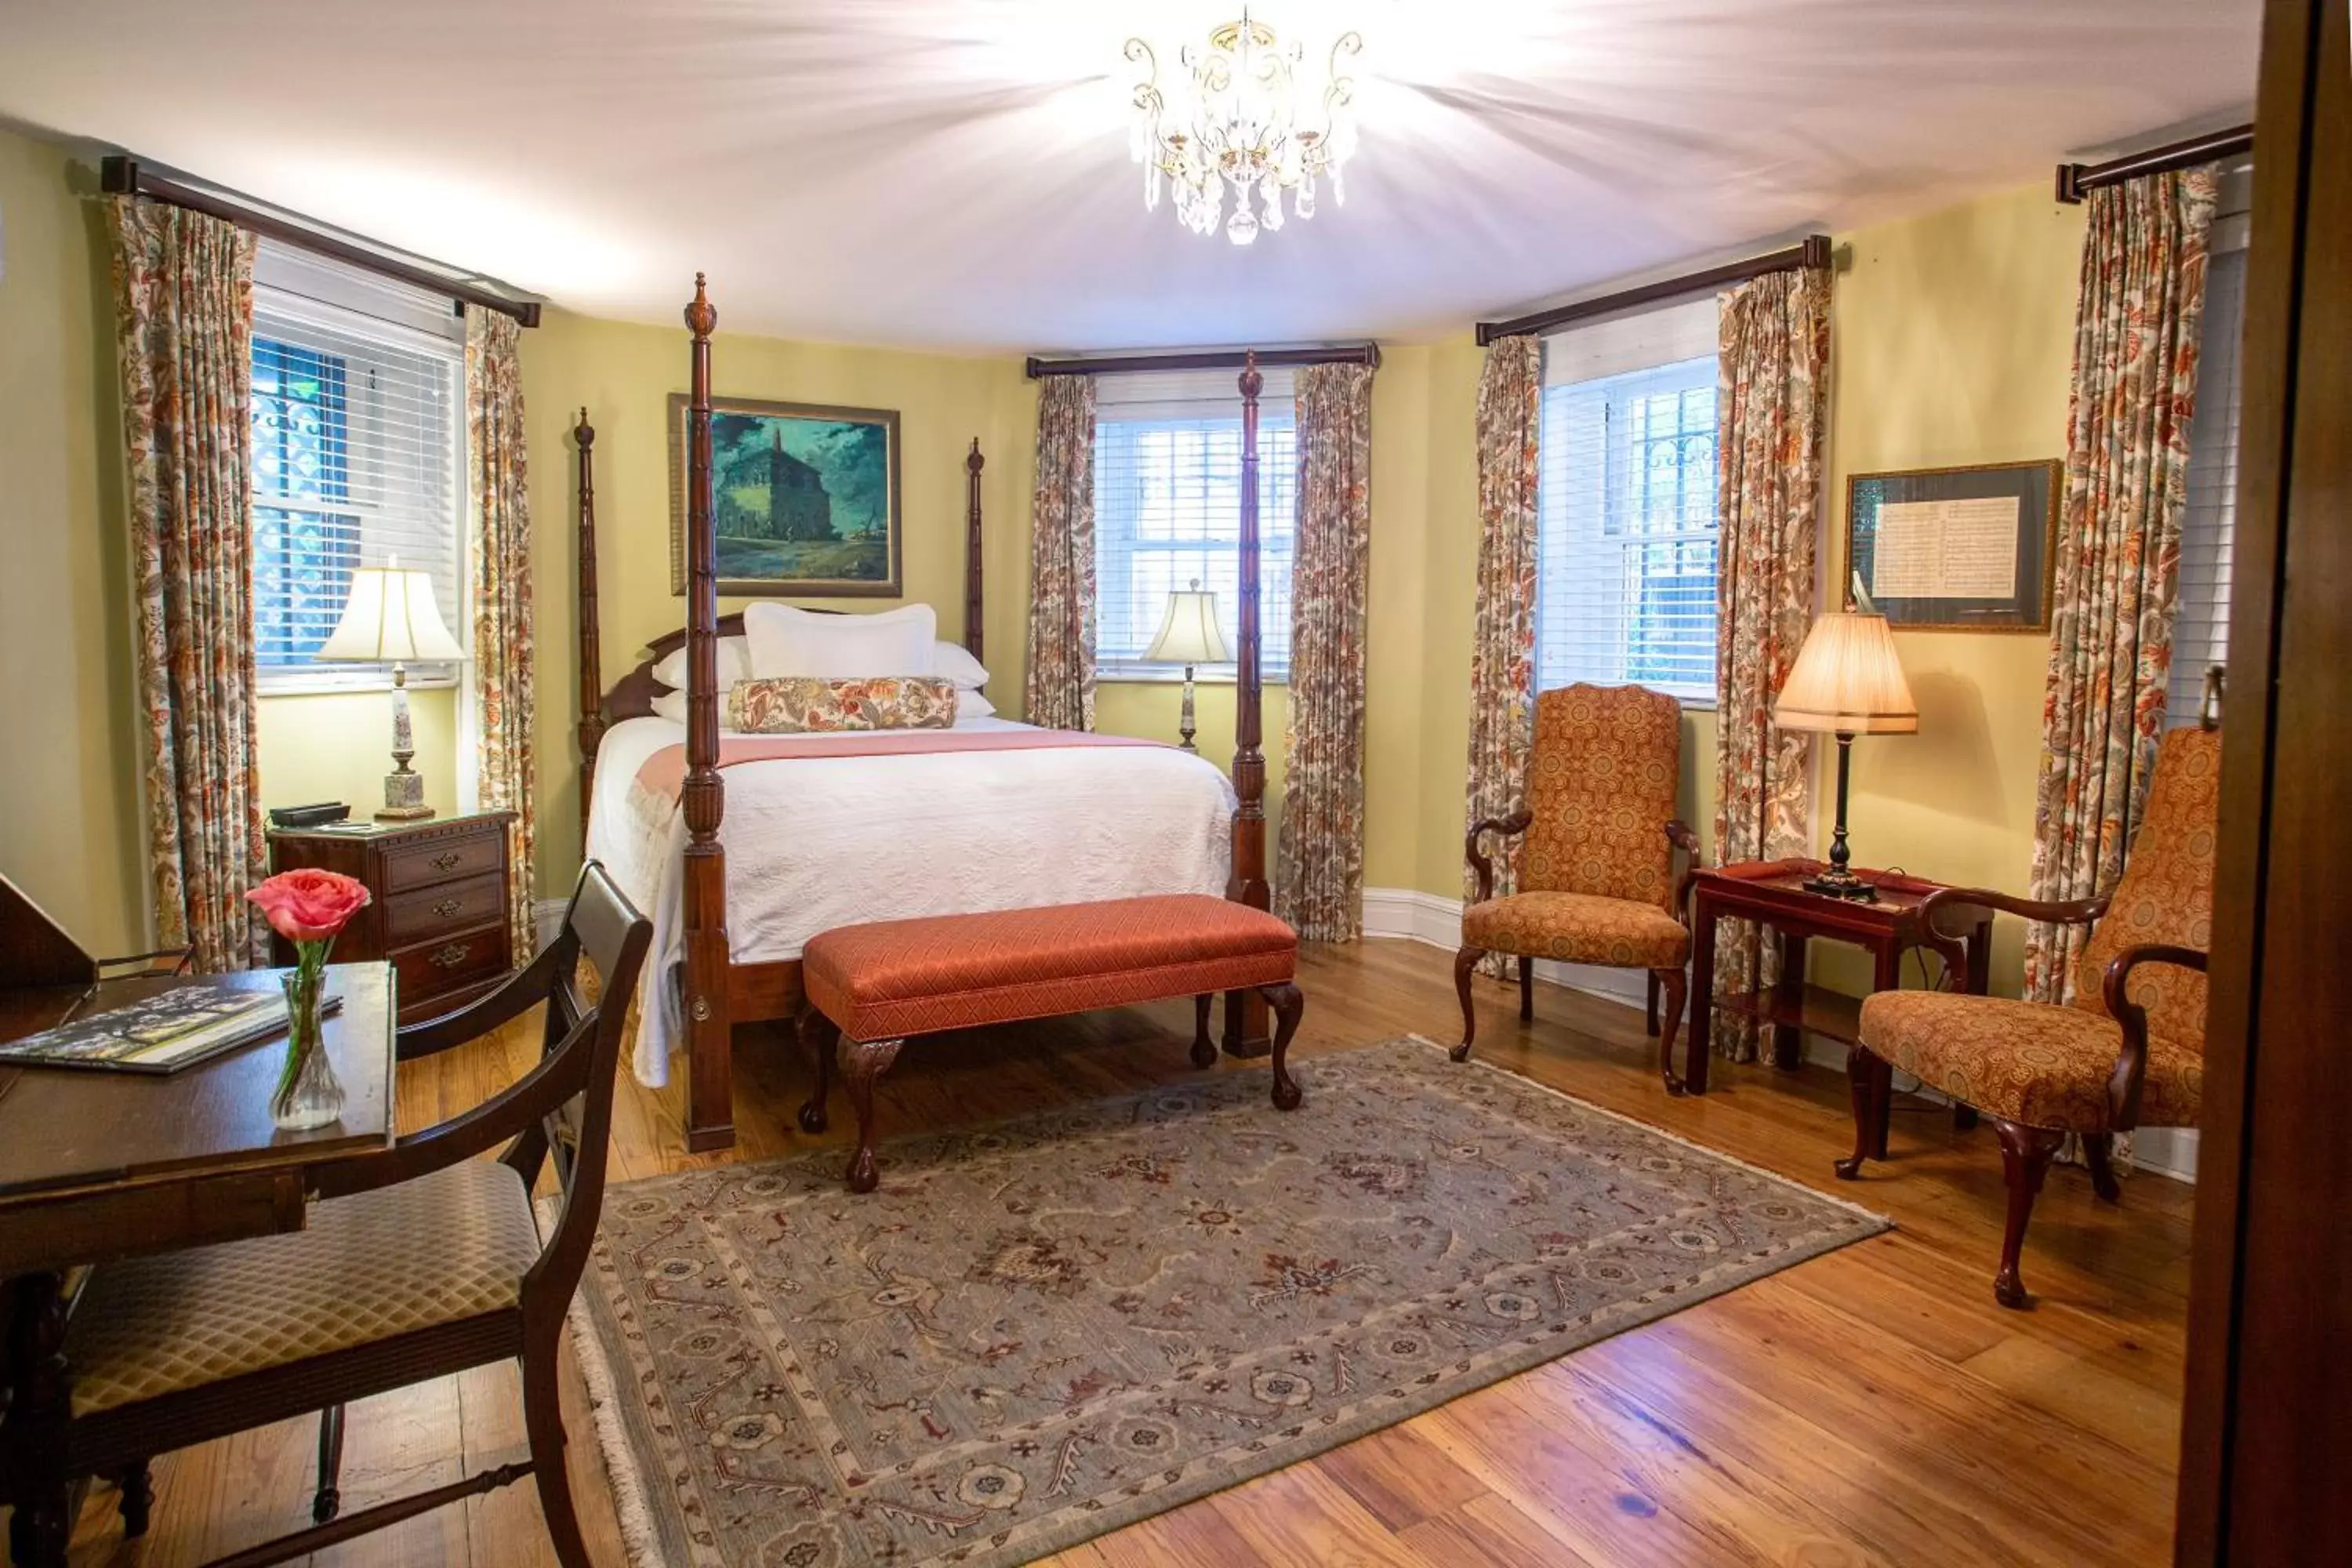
pixel 1625 509
pixel 1168 457
pixel 357 460
pixel 2201 624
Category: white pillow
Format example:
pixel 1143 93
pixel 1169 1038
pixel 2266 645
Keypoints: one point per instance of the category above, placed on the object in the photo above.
pixel 789 641
pixel 971 704
pixel 954 662
pixel 734 665
pixel 670 705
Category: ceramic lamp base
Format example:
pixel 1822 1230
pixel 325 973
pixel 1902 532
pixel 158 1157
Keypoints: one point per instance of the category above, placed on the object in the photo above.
pixel 403 797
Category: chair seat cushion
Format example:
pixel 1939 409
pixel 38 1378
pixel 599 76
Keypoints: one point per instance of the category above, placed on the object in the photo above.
pixel 446 1246
pixel 2027 1061
pixel 893 978
pixel 1578 928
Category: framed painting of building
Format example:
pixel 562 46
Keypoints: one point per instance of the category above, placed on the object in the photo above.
pixel 805 500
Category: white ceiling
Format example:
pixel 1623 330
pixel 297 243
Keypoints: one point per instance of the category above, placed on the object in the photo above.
pixel 954 172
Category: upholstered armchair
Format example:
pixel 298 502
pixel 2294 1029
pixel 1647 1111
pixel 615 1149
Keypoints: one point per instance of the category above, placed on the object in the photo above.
pixel 2127 1052
pixel 1596 880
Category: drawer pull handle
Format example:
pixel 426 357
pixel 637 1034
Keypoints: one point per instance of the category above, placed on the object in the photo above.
pixel 449 907
pixel 451 956
pixel 448 862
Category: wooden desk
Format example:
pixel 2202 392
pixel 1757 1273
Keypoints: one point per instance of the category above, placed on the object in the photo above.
pixel 1772 894
pixel 100 1165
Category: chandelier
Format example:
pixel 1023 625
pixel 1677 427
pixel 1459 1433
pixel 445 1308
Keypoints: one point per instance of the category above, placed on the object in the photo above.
pixel 1240 125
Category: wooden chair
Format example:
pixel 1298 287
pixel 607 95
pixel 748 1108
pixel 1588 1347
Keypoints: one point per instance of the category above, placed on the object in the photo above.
pixel 1596 873
pixel 418 1262
pixel 2127 1052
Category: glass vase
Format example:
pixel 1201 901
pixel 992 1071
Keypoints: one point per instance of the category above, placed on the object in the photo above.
pixel 309 1094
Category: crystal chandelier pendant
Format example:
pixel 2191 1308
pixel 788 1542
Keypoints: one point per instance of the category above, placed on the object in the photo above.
pixel 1235 120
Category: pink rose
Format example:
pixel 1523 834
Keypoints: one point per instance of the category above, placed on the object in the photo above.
pixel 310 906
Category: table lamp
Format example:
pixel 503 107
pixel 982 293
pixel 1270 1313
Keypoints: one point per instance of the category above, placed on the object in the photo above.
pixel 1189 635
pixel 1847 682
pixel 391 615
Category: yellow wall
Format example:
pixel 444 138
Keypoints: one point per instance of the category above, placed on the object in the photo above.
pixel 623 375
pixel 338 746
pixel 70 808
pixel 1951 341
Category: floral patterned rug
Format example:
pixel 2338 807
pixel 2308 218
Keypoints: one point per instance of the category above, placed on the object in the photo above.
pixel 1037 1331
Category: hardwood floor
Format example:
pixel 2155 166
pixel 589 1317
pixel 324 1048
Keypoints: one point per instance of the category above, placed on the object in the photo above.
pixel 1871 1406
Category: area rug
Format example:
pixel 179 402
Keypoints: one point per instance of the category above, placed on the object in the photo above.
pixel 1040 1330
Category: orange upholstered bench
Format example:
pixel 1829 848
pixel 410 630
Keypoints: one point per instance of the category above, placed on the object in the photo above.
pixel 872 986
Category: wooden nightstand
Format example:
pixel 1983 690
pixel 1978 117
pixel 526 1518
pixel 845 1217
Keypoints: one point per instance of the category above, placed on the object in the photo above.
pixel 439 907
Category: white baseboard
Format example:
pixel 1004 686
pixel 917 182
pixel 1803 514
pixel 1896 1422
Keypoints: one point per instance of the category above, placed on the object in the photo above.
pixel 1432 917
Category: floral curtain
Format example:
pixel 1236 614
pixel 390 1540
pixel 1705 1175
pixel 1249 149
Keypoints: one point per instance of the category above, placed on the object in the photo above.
pixel 183 318
pixel 1060 693
pixel 1503 637
pixel 1319 854
pixel 1772 408
pixel 2118 550
pixel 497 510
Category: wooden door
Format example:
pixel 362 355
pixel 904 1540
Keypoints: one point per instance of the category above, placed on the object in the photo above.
pixel 2267 1439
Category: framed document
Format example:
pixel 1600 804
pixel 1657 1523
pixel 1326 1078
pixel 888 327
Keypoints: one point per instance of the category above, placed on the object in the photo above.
pixel 1956 550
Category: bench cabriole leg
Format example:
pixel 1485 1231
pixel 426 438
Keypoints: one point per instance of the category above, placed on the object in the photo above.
pixel 862 1061
pixel 1289 1004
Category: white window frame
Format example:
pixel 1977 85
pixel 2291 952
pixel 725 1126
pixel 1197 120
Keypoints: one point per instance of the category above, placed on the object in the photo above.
pixel 303 290
pixel 1180 399
pixel 1582 537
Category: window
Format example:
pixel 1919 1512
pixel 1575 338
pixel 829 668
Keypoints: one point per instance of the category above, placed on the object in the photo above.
pixel 1625 509
pixel 2201 625
pixel 1168 462
pixel 357 459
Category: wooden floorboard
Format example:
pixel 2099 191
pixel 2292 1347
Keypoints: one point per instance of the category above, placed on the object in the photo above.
pixel 1872 1406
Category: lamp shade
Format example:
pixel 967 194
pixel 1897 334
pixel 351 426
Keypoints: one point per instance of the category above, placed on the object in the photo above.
pixel 390 616
pixel 1188 632
pixel 1848 680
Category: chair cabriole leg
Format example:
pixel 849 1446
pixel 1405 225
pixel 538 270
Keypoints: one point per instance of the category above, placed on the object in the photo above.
pixel 2025 1156
pixel 1863 1075
pixel 817 1034
pixel 542 1412
pixel 1678 990
pixel 137 1501
pixel 2098 1152
pixel 1465 965
pixel 1527 989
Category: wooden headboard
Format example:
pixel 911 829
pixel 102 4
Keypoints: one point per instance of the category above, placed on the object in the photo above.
pixel 632 696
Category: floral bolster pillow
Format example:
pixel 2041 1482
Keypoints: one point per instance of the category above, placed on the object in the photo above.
pixel 811 704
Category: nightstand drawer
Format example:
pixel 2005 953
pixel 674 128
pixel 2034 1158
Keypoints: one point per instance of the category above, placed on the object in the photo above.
pixel 441 860
pixel 449 964
pixel 434 912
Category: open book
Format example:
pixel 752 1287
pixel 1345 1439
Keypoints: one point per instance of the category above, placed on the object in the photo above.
pixel 159 1033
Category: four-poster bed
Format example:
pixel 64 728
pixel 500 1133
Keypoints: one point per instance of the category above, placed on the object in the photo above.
pixel 1148 803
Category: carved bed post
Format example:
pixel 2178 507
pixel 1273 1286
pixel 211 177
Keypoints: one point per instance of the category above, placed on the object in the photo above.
pixel 592 680
pixel 971 562
pixel 710 1106
pixel 1245 1011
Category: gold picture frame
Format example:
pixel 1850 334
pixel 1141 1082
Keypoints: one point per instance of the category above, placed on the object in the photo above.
pixel 810 494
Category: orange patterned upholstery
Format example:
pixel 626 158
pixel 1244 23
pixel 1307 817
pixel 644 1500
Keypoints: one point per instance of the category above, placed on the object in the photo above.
pixel 1600 783
pixel 2049 1067
pixel 2166 893
pixel 2027 1061
pixel 894 978
pixel 1577 928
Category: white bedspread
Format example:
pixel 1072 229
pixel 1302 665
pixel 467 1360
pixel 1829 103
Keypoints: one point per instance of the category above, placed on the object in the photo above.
pixel 833 841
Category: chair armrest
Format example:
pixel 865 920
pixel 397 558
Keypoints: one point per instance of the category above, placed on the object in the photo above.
pixel 517 993
pixel 1680 836
pixel 2065 912
pixel 2131 1062
pixel 1508 826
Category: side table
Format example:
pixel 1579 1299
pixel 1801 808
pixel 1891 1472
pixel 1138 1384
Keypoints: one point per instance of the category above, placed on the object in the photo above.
pixel 1772 894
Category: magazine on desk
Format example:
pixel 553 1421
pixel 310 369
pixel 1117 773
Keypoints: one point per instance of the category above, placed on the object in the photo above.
pixel 159 1033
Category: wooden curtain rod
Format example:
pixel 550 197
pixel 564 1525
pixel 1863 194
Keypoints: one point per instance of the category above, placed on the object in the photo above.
pixel 2078 180
pixel 1111 364
pixel 120 175
pixel 1814 251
